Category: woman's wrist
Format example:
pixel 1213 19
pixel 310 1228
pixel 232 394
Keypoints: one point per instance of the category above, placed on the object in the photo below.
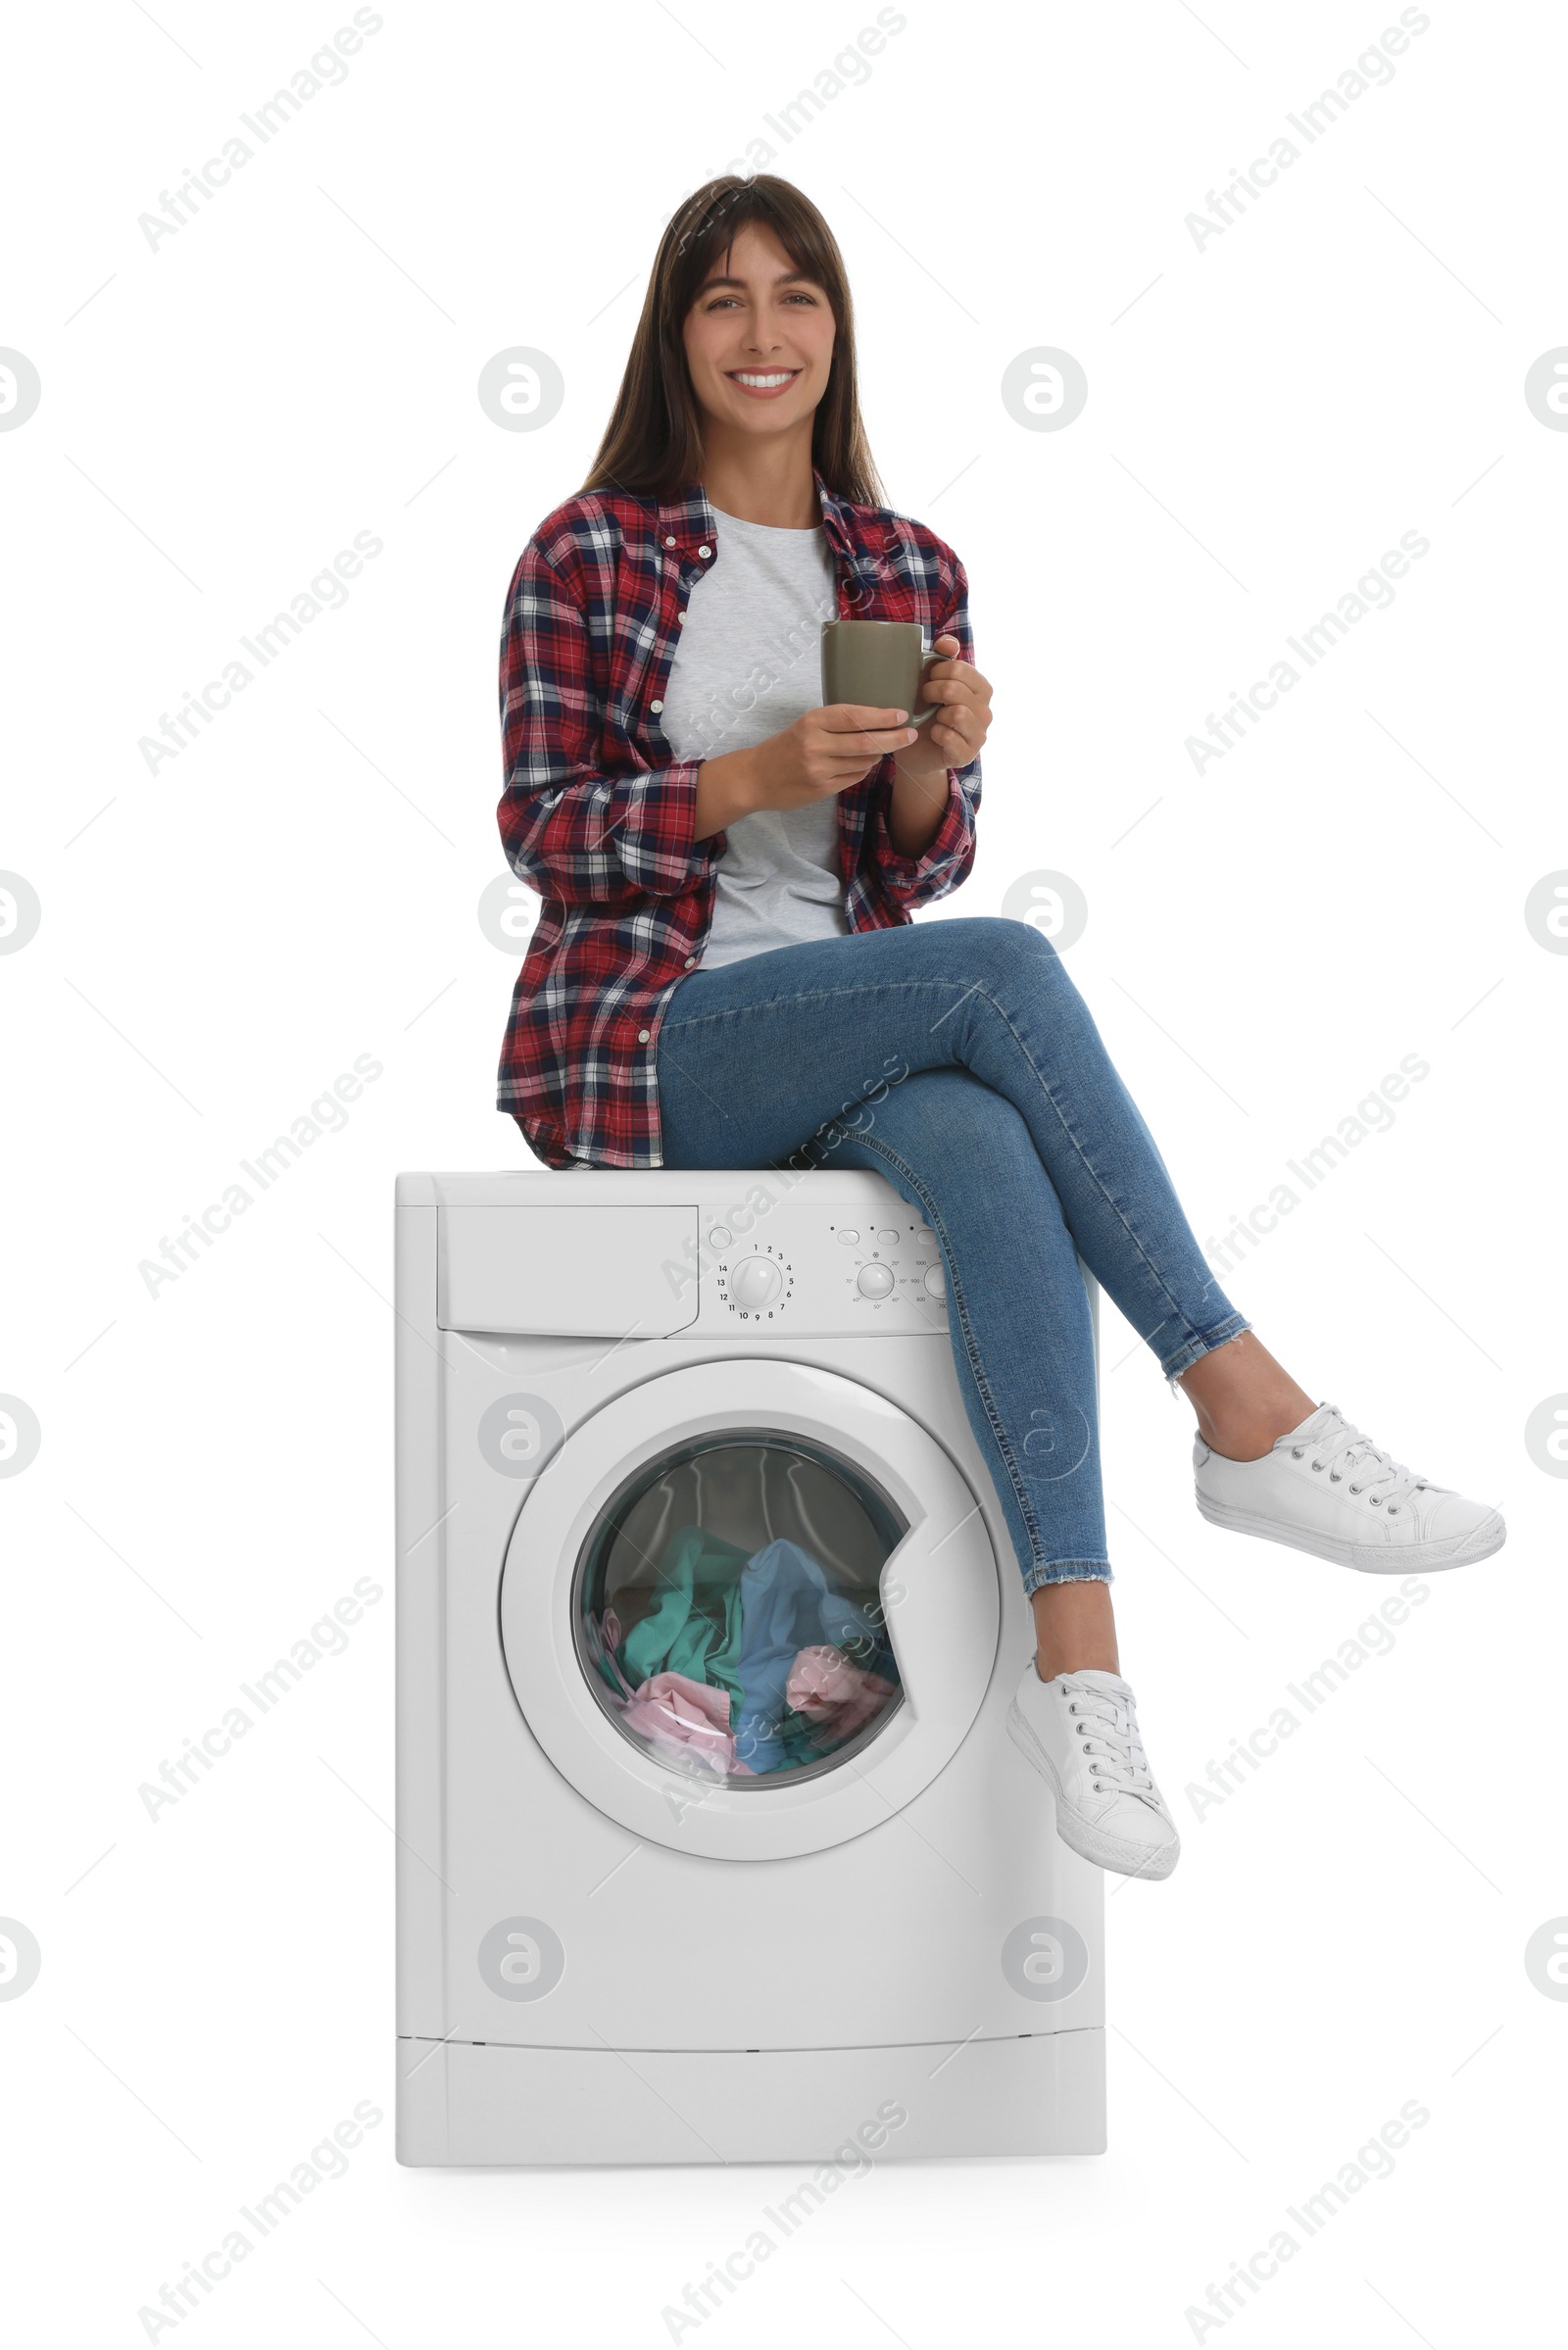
pixel 727 788
pixel 917 805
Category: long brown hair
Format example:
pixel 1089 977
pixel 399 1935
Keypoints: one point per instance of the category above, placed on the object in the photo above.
pixel 652 444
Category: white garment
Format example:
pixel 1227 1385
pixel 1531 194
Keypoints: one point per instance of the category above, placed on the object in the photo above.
pixel 749 664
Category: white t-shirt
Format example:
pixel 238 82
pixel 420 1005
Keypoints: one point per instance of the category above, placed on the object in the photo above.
pixel 748 665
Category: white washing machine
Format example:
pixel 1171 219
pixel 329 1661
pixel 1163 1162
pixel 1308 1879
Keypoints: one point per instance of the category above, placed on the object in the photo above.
pixel 712 1843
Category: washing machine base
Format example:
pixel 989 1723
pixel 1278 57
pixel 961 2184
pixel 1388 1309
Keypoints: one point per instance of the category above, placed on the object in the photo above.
pixel 467 2102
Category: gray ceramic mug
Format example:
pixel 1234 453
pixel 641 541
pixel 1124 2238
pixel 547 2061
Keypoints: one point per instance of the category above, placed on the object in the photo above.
pixel 877 664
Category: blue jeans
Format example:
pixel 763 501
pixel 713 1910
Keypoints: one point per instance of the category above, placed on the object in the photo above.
pixel 957 1060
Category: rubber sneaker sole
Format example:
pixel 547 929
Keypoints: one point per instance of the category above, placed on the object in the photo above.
pixel 1421 1558
pixel 1090 1843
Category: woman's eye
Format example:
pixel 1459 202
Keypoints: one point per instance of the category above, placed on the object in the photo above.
pixel 720 301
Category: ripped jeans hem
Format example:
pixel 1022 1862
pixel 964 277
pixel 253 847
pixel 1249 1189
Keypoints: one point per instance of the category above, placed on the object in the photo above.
pixel 1067 1570
pixel 1196 1348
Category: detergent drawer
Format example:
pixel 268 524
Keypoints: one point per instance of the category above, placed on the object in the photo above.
pixel 568 1271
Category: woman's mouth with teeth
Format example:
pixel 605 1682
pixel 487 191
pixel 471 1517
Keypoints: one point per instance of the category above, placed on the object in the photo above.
pixel 773 379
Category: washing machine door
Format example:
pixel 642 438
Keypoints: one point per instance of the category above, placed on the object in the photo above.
pixel 749 1609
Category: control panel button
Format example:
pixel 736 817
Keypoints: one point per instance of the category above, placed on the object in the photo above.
pixel 847 1236
pixel 720 1237
pixel 754 1282
pixel 925 1237
pixel 888 1238
pixel 874 1281
pixel 935 1281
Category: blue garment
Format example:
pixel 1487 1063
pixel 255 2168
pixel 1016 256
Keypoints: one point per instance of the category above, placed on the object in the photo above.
pixel 787 1605
pixel 957 1060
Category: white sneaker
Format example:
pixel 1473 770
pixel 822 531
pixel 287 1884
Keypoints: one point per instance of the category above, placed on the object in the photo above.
pixel 1326 1488
pixel 1080 1732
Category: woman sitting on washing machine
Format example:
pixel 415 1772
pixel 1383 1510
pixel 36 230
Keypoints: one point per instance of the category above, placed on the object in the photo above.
pixel 724 970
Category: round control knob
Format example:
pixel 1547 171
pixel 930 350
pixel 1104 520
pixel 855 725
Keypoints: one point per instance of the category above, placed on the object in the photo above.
pixel 754 1282
pixel 874 1281
pixel 935 1281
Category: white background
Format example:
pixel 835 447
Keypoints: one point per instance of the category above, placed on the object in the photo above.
pixel 222 938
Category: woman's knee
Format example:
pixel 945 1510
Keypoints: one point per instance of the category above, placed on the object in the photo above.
pixel 996 950
pixel 944 1123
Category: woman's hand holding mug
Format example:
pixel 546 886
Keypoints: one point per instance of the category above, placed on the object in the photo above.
pixel 957 732
pixel 822 753
pixel 837 745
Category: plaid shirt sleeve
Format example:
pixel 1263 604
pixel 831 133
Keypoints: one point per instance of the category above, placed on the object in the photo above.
pixel 579 835
pixel 911 881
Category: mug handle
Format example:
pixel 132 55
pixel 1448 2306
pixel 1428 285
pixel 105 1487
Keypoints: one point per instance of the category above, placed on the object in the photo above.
pixel 917 716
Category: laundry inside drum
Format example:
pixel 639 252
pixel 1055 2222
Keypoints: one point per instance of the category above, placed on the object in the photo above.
pixel 729 1612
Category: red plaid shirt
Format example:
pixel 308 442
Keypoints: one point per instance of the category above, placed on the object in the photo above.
pixel 598 817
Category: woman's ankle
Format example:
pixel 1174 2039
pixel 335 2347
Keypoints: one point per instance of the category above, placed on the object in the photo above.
pixel 1248 1438
pixel 1075 1628
pixel 1244 1399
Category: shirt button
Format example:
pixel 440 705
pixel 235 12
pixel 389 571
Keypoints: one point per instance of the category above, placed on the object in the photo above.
pixel 690 959
pixel 656 706
pixel 704 553
pixel 642 1036
pixel 670 542
pixel 680 619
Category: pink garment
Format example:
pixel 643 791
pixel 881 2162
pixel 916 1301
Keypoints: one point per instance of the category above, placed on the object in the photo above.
pixel 825 1687
pixel 606 1632
pixel 677 1715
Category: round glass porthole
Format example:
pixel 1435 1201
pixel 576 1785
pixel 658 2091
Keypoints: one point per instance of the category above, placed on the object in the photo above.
pixel 726 1608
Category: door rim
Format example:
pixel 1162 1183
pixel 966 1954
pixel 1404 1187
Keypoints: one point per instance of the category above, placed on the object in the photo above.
pixel 942 1616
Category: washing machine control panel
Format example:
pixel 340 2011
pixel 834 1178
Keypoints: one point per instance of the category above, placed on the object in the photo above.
pixel 772 1265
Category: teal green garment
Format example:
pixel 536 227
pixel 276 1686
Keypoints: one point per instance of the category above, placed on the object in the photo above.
pixel 696 1627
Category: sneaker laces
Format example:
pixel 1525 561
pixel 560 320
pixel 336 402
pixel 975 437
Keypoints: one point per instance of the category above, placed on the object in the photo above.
pixel 1119 1762
pixel 1345 1449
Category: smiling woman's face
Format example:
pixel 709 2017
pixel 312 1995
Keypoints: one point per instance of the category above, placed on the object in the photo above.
pixel 759 339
